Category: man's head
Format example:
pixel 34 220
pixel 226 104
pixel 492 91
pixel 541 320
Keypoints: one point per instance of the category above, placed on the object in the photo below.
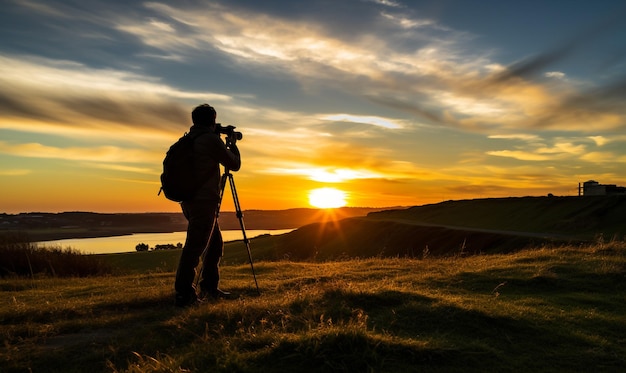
pixel 204 115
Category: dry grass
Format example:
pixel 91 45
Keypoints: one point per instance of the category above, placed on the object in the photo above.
pixel 548 309
pixel 19 257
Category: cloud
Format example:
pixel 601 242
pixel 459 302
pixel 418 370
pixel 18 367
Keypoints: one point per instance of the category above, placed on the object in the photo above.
pixel 599 140
pixel 407 63
pixel 520 155
pixel 123 168
pixel 70 95
pixel 516 136
pixel 401 60
pixel 406 22
pixel 534 149
pixel 101 154
pixel 390 3
pixel 14 172
pixel 42 8
pixel 563 148
pixel 323 174
pixel 566 144
pixel 555 74
pixel 371 120
pixel 384 170
pixel 583 38
pixel 372 64
pixel 603 157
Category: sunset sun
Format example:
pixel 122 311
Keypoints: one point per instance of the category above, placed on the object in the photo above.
pixel 326 198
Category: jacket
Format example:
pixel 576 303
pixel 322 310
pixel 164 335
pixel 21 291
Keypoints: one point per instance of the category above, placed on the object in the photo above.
pixel 209 152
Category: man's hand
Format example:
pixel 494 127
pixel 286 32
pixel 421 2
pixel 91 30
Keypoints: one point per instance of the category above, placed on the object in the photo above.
pixel 231 140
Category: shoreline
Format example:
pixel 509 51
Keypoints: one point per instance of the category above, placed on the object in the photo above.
pixel 56 235
pixel 154 241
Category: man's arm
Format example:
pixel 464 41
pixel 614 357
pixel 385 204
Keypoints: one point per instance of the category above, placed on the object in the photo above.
pixel 233 156
pixel 228 154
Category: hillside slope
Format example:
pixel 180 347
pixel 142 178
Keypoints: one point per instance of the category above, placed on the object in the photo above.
pixel 573 217
pixel 363 238
pixel 454 228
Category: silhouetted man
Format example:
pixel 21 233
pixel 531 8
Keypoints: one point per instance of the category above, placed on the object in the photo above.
pixel 201 212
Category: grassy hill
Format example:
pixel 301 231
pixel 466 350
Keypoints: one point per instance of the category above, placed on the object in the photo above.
pixel 453 228
pixel 396 291
pixel 573 217
pixel 542 310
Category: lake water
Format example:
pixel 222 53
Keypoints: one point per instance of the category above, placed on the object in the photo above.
pixel 124 244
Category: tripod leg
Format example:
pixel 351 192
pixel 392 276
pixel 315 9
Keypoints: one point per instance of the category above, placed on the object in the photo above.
pixel 243 228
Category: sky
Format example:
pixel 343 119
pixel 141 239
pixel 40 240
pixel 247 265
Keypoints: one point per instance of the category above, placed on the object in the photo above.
pixel 392 102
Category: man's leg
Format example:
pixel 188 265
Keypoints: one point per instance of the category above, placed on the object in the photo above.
pixel 200 215
pixel 211 271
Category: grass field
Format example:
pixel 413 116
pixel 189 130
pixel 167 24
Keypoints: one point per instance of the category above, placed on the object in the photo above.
pixel 549 309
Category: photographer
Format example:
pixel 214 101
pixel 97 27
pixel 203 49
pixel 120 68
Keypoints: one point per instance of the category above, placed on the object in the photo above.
pixel 201 211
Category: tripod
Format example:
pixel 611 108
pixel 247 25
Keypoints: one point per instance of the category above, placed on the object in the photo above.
pixel 228 175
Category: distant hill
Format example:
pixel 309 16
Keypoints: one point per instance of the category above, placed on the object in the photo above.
pixel 292 218
pixel 464 227
pixel 42 226
pixel 570 217
pixel 448 228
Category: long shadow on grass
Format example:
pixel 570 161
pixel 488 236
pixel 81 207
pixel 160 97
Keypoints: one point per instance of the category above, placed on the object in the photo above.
pixel 94 333
pixel 394 329
pixel 560 285
pixel 362 331
pixel 572 307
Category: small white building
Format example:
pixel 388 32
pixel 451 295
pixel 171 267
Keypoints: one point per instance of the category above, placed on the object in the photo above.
pixel 594 188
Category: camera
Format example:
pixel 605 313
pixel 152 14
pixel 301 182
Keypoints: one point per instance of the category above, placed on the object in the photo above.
pixel 229 131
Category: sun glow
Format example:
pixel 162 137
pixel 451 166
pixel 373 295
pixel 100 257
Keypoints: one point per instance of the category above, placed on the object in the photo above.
pixel 326 198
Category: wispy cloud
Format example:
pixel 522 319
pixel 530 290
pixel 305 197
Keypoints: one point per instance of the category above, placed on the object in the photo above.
pixel 390 3
pixel 326 175
pixel 603 157
pixel 439 80
pixel 123 168
pixel 407 22
pixel 534 148
pixel 14 172
pixel 94 154
pixel 515 136
pixel 520 154
pixel 58 94
pixel 599 140
pixel 371 120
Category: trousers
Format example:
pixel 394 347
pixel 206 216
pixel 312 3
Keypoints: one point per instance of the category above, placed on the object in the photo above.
pixel 203 232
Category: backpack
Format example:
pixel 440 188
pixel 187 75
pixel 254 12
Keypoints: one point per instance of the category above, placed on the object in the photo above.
pixel 178 180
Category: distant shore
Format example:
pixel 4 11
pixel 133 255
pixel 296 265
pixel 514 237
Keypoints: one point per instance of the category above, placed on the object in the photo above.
pixel 40 227
pixel 53 235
